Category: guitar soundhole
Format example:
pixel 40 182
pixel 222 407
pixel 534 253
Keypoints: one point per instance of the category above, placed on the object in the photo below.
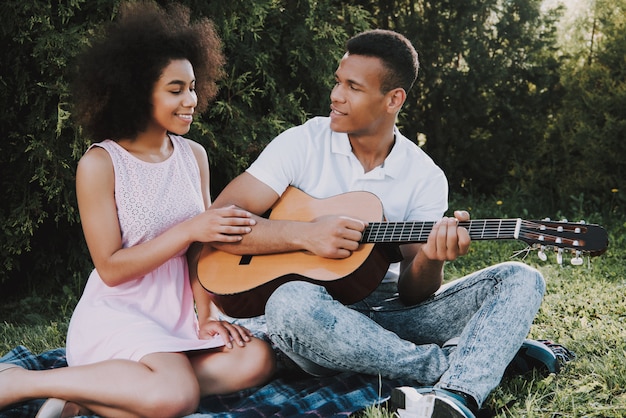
pixel 245 260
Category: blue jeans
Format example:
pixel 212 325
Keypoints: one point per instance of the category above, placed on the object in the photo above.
pixel 491 312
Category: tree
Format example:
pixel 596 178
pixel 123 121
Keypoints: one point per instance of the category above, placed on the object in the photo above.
pixel 281 59
pixel 585 149
pixel 488 84
pixel 41 239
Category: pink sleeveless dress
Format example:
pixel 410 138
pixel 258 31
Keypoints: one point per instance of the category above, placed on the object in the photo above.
pixel 153 313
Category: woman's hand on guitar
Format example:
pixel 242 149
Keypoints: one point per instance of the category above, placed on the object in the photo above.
pixel 227 224
pixel 334 236
pixel 448 240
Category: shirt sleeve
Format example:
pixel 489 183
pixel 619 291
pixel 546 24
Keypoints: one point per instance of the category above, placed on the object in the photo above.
pixel 281 161
pixel 431 198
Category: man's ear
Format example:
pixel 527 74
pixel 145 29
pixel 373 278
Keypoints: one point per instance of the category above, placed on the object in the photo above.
pixel 396 98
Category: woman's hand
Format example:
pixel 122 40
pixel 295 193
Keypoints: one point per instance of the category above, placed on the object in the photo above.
pixel 227 224
pixel 228 331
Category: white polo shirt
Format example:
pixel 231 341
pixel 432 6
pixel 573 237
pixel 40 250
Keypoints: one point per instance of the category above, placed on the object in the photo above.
pixel 320 162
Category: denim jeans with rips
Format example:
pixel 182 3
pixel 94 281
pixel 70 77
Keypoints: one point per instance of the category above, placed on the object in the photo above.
pixel 490 311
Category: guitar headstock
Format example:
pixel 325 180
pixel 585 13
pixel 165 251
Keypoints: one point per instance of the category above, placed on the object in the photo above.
pixel 578 238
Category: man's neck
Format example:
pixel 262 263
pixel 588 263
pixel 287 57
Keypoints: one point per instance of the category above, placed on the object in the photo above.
pixel 371 151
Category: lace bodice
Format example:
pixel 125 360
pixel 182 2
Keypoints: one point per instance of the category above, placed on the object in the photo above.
pixel 152 197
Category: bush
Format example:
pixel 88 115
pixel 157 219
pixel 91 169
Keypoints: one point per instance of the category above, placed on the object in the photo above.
pixel 276 75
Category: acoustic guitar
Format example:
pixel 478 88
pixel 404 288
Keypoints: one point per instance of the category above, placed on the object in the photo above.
pixel 241 285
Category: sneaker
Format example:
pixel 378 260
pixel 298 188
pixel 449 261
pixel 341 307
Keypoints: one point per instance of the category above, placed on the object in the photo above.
pixel 409 402
pixel 535 355
pixel 542 355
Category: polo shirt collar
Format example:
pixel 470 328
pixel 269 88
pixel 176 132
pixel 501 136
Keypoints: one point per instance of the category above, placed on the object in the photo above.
pixel 393 164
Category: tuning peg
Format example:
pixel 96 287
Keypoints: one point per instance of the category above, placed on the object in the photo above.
pixel 577 260
pixel 541 254
pixel 559 256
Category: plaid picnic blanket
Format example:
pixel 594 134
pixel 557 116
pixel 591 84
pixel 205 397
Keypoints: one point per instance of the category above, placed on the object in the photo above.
pixel 286 396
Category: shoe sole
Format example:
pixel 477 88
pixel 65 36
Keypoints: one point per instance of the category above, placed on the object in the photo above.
pixel 51 408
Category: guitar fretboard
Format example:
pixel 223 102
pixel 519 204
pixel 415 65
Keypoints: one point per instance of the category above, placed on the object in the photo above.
pixel 417 231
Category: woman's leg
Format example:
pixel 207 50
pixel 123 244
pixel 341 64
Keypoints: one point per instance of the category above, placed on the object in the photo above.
pixel 161 384
pixel 228 370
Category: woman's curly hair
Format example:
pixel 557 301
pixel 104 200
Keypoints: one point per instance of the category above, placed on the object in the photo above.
pixel 112 89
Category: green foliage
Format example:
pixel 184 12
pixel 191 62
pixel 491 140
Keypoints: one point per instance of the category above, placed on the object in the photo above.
pixel 38 151
pixel 37 338
pixel 281 59
pixel 586 141
pixel 487 86
pixel 500 111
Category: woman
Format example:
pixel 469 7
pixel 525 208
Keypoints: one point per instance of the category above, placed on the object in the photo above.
pixel 135 345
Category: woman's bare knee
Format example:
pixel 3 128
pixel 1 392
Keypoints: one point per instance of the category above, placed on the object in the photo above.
pixel 258 362
pixel 172 400
pixel 235 369
pixel 172 389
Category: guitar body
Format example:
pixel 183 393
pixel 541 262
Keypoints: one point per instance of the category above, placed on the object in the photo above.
pixel 241 285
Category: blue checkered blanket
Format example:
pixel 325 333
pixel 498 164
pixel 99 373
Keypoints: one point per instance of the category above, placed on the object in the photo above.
pixel 285 396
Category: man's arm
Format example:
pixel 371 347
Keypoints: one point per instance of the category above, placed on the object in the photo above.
pixel 422 269
pixel 329 236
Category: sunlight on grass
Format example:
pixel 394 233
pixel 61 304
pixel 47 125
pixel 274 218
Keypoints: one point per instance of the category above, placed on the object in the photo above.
pixel 37 338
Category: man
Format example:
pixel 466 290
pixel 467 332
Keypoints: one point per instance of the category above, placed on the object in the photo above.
pixel 453 341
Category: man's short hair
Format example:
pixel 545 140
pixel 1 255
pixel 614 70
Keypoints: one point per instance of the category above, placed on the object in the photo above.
pixel 396 52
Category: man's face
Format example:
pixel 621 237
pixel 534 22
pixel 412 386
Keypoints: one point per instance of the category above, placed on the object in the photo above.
pixel 358 107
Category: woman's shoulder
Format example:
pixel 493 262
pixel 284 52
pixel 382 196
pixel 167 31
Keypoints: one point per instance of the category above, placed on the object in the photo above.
pixel 94 166
pixel 195 146
pixel 181 141
pixel 96 155
pixel 192 148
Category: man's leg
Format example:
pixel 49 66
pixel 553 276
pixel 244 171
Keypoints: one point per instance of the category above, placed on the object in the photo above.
pixel 490 311
pixel 322 336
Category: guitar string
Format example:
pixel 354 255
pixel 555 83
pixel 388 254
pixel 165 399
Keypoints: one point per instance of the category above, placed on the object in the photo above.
pixel 478 229
pixel 491 228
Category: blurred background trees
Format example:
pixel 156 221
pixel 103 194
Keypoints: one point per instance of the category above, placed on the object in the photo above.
pixel 512 100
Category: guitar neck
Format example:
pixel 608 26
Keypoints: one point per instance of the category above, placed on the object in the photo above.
pixel 417 231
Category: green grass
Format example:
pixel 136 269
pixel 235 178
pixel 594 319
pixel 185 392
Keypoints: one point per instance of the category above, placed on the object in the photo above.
pixel 584 309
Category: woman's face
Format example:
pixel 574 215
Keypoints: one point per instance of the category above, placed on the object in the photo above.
pixel 174 97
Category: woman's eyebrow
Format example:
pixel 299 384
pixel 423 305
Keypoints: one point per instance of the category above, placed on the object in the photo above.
pixel 179 82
